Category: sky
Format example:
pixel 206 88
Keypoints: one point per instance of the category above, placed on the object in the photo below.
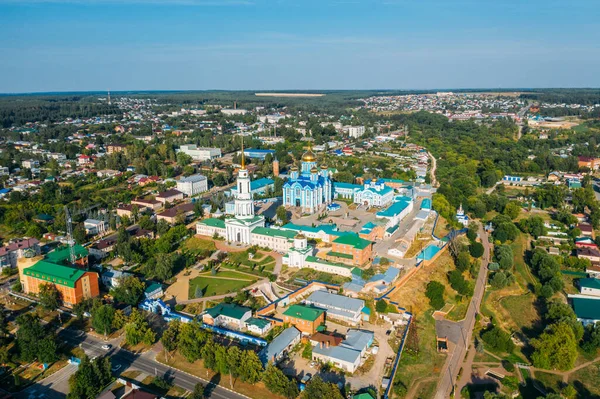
pixel 86 45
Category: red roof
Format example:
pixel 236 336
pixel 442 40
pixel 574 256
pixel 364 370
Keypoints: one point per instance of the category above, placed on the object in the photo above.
pixel 20 244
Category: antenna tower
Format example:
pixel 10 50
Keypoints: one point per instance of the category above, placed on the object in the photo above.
pixel 70 235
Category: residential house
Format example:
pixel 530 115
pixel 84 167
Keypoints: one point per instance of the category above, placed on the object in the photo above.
pixel 153 291
pixel 151 204
pixel 16 249
pixel 349 354
pixel 182 212
pixel 169 196
pixel 592 254
pixel 589 286
pixel 304 318
pixel 94 226
pixel 228 315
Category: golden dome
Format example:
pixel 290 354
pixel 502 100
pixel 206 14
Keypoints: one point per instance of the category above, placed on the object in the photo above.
pixel 323 167
pixel 294 167
pixel 314 170
pixel 309 156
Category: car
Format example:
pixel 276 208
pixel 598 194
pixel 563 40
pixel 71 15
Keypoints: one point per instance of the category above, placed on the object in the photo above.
pixel 306 378
pixel 388 332
pixel 106 347
pixel 116 367
pixel 312 364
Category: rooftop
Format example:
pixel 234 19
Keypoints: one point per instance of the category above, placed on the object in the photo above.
pixel 592 283
pixel 192 179
pixel 169 193
pixel 395 209
pixel 353 240
pixel 229 310
pixel 266 231
pixel 279 344
pixel 303 312
pixel 586 308
pixel 213 222
pixel 325 299
pixel 57 274
pixel 62 254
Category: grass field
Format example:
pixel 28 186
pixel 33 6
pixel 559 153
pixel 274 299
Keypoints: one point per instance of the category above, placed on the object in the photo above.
pixel 310 274
pixel 260 259
pixel 587 381
pixel 551 382
pixel 194 244
pixel 420 358
pixel 521 310
pixel 216 286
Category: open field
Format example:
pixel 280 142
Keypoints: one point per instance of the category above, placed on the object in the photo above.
pixel 198 244
pixel 267 262
pixel 412 294
pixel 587 381
pixel 213 285
pixel 289 94
pixel 420 358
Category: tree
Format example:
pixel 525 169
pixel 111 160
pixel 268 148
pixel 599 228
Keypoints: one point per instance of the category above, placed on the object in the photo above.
pixel 191 340
pixel 435 294
pixel 556 348
pixel 90 378
pixel 278 383
pixel 253 368
pixel 198 392
pixel 33 341
pixel 512 210
pixel 381 306
pixel 505 257
pixel 170 338
pixel 319 389
pixel 282 214
pixel 499 340
pixel 103 317
pixel 463 261
pixel 50 298
pixel 476 250
pixel 307 351
pixel 137 330
pixel 129 290
pixel 164 266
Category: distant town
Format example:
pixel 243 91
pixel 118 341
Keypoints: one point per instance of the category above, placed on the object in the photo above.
pixel 303 245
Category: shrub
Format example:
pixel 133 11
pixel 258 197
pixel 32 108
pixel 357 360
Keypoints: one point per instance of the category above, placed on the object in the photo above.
pixel 476 249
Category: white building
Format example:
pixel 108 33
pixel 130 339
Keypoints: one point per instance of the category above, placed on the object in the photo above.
pixel 355 131
pixel 200 153
pixel 338 307
pixel 30 164
pixel 589 286
pixel 14 250
pixel 374 193
pixel 193 185
pixel 94 226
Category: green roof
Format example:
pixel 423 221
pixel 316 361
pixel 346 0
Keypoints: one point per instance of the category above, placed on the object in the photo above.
pixel 265 231
pixel 260 323
pixel 56 274
pixel 340 255
pixel 586 308
pixel 213 222
pixel 593 283
pixel 353 240
pixel 357 272
pixel 311 258
pixel 153 287
pixel 229 310
pixel 61 254
pixel 365 395
pixel 304 312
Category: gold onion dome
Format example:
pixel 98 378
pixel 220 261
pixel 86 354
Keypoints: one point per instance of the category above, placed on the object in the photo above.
pixel 313 170
pixel 323 167
pixel 309 156
pixel 294 167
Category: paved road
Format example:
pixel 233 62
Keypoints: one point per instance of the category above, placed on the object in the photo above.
pixel 56 386
pixel 452 365
pixel 521 114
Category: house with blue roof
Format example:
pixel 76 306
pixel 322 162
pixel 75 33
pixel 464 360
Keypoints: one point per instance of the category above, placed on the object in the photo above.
pixel 349 354
pixel 280 346
pixel 374 193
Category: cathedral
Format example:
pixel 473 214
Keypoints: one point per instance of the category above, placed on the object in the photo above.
pixel 309 189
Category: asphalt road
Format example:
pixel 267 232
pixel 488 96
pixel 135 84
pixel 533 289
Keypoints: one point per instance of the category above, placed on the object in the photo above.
pixel 451 368
pixel 56 386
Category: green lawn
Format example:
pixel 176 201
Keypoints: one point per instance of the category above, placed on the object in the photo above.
pixel 230 274
pixel 216 286
pixel 260 259
pixel 310 274
pixel 196 244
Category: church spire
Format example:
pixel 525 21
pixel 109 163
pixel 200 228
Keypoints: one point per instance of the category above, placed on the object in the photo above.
pixel 243 160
